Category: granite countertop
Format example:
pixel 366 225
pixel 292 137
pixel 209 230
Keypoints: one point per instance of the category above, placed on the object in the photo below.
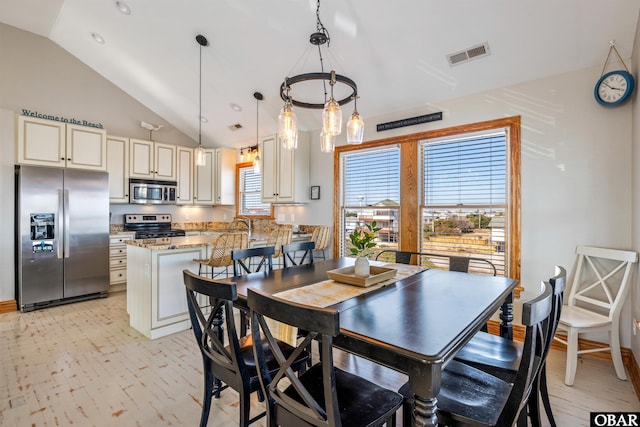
pixel 182 242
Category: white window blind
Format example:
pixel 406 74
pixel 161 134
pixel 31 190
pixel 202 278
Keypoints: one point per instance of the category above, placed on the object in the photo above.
pixel 371 192
pixel 464 193
pixel 250 197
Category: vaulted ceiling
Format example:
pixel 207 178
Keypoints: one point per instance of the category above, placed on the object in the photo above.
pixel 396 51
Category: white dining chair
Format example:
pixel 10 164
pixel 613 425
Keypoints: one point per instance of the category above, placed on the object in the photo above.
pixel 600 287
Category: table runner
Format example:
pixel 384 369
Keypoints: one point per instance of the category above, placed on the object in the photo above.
pixel 329 292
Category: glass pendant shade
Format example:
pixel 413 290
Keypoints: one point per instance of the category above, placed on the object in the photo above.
pixel 288 127
pixel 201 156
pixel 256 163
pixel 332 118
pixel 327 143
pixel 355 129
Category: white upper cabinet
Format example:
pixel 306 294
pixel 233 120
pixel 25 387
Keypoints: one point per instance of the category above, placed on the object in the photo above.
pixel 204 180
pixel 51 143
pixel 225 176
pixel 285 173
pixel 152 160
pixel 185 175
pixel 118 168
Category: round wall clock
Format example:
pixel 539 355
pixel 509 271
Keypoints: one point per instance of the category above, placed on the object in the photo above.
pixel 614 88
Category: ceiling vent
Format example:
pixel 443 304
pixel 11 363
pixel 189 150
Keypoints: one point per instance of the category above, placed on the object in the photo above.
pixel 473 52
pixel 236 126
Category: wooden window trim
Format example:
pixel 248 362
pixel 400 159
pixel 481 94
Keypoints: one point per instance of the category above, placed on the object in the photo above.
pixel 242 166
pixel 410 176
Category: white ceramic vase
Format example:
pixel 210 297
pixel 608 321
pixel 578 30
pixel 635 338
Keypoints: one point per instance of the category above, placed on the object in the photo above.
pixel 362 268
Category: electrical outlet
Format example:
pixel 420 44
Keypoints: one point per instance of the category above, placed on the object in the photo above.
pixel 280 217
pixel 293 217
pixel 224 216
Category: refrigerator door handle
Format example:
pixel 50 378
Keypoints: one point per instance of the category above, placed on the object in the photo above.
pixel 58 225
pixel 65 231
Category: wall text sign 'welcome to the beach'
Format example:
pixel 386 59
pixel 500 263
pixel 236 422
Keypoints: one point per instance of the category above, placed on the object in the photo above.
pixel 30 113
pixel 410 122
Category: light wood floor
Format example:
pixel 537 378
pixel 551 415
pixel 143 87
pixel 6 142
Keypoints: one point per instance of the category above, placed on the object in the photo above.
pixel 82 365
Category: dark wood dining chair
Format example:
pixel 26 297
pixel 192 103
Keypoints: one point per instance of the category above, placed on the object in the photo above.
pixel 242 260
pixel 291 251
pixel 451 262
pixel 471 397
pixel 232 365
pixel 501 357
pixel 323 395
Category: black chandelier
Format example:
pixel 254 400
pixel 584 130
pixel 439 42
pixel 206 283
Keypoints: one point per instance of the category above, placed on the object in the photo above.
pixel 332 114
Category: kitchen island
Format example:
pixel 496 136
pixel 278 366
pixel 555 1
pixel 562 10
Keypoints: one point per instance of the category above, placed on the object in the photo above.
pixel 156 299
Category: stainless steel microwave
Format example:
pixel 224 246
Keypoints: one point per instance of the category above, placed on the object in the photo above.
pixel 151 192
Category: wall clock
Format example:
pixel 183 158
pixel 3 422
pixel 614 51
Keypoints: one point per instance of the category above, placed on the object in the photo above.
pixel 614 88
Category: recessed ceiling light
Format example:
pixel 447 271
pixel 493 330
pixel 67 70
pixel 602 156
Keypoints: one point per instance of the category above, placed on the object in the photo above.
pixel 235 107
pixel 122 7
pixel 203 119
pixel 97 37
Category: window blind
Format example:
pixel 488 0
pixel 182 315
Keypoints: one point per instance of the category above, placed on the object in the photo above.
pixel 371 177
pixel 250 196
pixel 464 191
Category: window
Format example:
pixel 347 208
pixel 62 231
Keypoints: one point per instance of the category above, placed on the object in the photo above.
pixel 249 193
pixel 451 190
pixel 464 198
pixel 371 192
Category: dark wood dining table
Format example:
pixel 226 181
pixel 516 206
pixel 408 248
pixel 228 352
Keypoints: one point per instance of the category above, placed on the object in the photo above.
pixel 415 325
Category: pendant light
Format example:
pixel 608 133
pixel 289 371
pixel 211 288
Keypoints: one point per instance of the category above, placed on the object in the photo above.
pixel 287 124
pixel 256 160
pixel 200 155
pixel 331 112
pixel 355 126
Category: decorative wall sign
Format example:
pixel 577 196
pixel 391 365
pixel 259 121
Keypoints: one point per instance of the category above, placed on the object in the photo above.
pixel 410 122
pixel 315 192
pixel 30 113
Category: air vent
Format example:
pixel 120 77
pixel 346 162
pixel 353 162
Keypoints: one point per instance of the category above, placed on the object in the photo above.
pixel 473 52
pixel 235 126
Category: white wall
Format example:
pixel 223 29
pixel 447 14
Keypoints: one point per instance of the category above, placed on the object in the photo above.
pixel 635 187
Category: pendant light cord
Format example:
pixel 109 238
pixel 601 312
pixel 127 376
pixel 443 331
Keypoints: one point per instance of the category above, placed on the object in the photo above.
pixel 200 102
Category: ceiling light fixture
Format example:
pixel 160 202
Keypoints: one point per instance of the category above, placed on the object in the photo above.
pixel 331 115
pixel 122 7
pixel 97 38
pixel 199 153
pixel 256 160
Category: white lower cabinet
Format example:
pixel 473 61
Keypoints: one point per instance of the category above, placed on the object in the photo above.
pixel 118 261
pixel 156 299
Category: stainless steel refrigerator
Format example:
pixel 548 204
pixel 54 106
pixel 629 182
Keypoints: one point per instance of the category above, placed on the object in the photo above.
pixel 62 236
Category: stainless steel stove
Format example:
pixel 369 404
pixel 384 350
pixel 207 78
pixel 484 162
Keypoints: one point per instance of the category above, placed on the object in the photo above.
pixel 150 226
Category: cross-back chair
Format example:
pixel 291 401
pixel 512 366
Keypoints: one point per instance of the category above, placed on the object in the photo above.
pixel 471 397
pixel 290 252
pixel 221 253
pixel 323 395
pixel 242 260
pixel 501 357
pixel 450 262
pixel 598 292
pixel 232 365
